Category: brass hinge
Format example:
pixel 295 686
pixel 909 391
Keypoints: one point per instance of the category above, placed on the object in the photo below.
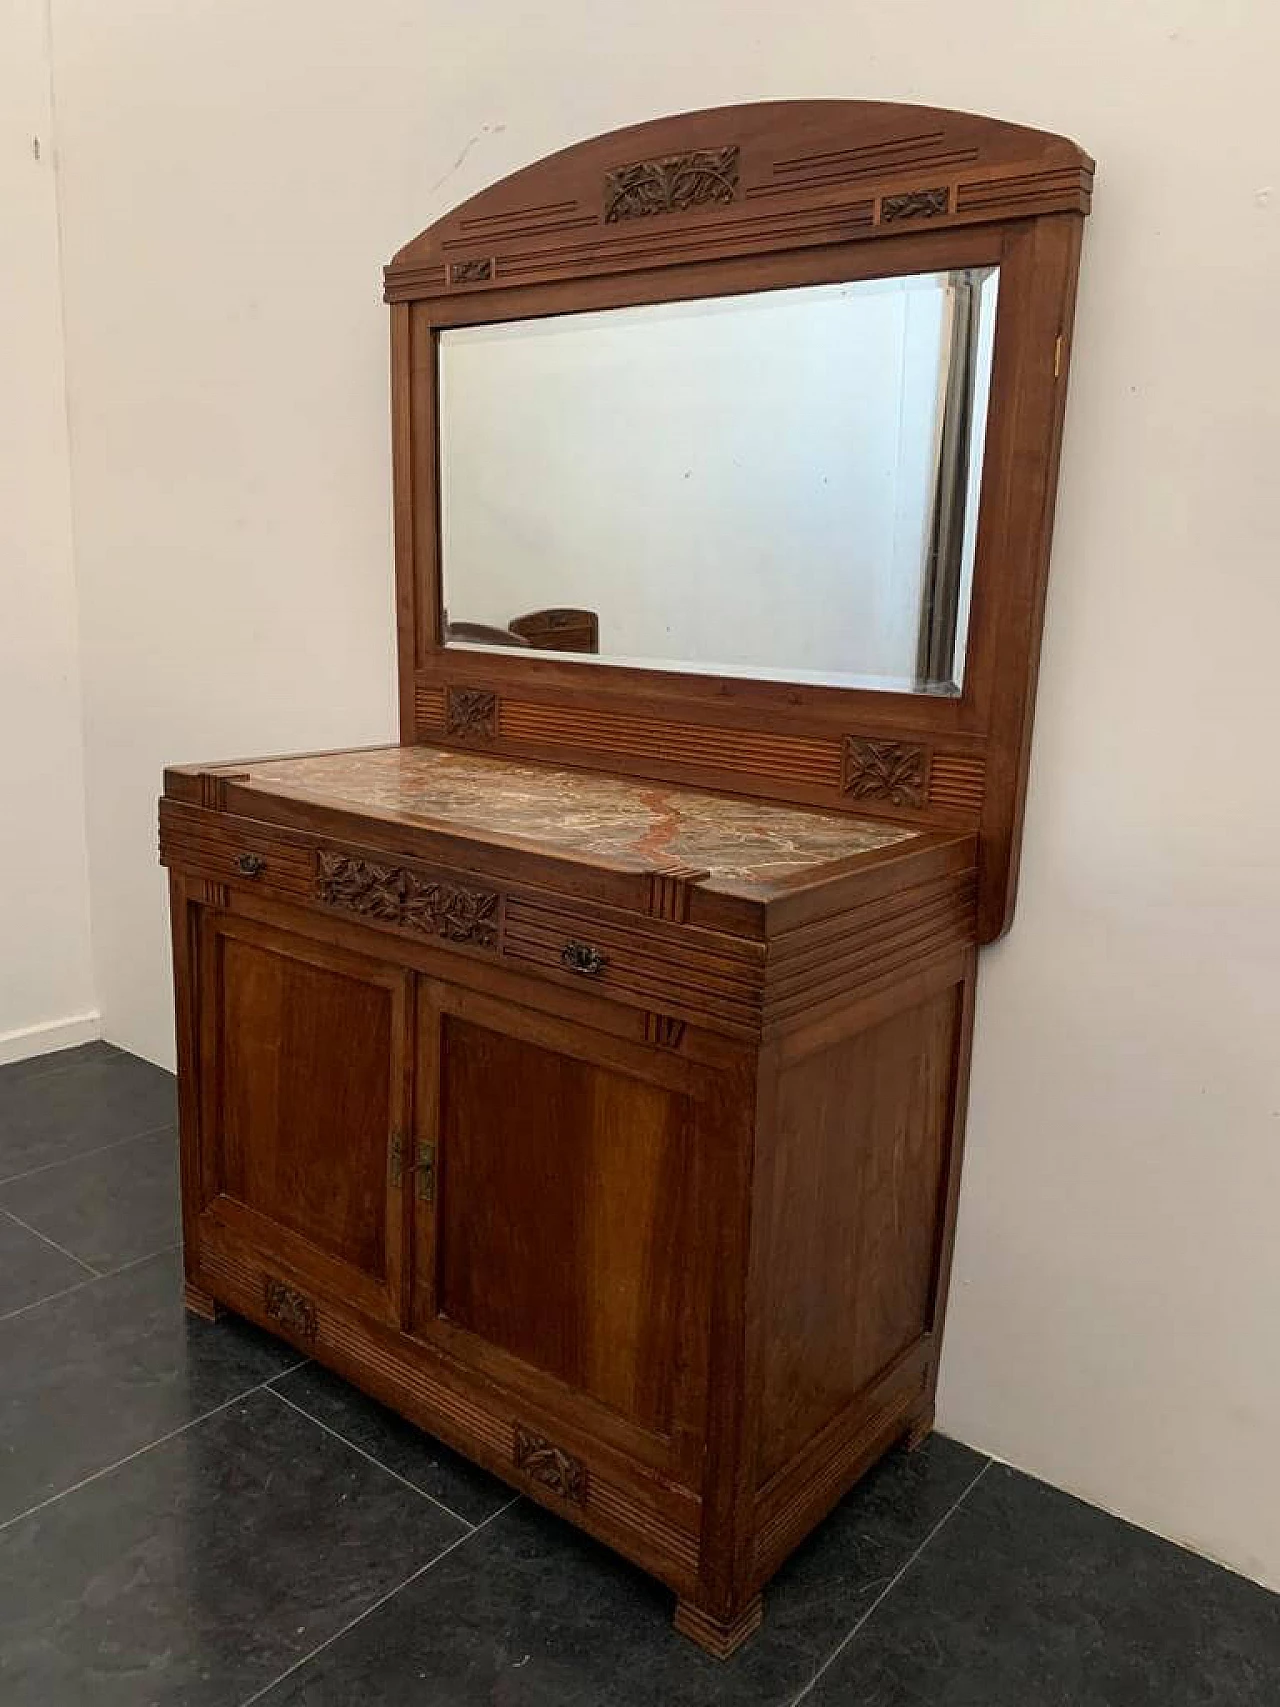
pixel 425 1169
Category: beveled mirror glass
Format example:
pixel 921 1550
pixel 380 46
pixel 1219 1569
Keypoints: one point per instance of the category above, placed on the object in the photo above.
pixel 782 484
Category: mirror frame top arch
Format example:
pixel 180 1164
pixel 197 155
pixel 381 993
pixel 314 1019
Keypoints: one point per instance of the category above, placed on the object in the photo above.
pixel 725 201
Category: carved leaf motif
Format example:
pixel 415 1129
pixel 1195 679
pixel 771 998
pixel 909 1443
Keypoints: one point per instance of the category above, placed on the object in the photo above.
pixel 672 183
pixel 884 770
pixel 471 272
pixel 914 204
pixel 402 897
pixel 291 1308
pixel 471 713
pixel 549 1465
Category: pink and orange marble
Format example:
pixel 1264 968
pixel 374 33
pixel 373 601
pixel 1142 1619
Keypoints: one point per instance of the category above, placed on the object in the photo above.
pixel 582 813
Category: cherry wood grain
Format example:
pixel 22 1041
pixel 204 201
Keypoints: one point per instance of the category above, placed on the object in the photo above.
pixel 756 198
pixel 590 1288
pixel 854 1198
pixel 305 1056
pixel 635 1185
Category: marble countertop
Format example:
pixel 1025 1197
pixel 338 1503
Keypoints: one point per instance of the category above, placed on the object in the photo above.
pixel 582 813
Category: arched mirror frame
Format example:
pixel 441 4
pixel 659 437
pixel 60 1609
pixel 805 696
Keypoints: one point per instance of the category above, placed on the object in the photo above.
pixel 737 199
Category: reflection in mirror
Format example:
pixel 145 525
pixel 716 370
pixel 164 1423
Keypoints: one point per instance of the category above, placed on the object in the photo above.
pixel 778 485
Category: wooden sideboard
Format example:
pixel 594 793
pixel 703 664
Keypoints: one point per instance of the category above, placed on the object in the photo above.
pixel 630 1174
pixel 585 1077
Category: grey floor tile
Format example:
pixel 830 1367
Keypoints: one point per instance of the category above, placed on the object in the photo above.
pixel 30 1268
pixel 199 1571
pixel 109 1368
pixel 530 1613
pixel 93 1101
pixel 462 1487
pixel 1029 1598
pixel 108 1208
pixel 36 1066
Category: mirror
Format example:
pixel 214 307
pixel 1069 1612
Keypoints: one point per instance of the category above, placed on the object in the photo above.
pixel 780 485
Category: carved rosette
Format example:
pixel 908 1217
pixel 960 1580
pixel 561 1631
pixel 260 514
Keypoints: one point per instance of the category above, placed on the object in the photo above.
pixel 671 183
pixel 550 1466
pixel 893 771
pixel 292 1309
pixel 915 204
pixel 396 895
pixel 471 713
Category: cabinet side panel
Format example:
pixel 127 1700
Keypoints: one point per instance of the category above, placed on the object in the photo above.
pixel 859 1148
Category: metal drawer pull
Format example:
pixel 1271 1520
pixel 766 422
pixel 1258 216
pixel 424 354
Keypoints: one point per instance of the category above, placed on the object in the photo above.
pixel 251 865
pixel 581 957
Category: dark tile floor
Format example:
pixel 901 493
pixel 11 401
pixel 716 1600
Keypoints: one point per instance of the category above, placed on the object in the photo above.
pixel 192 1517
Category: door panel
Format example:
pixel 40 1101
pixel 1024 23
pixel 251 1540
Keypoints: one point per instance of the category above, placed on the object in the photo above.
pixel 559 1243
pixel 307 1091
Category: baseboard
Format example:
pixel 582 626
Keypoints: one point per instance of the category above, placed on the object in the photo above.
pixel 44 1039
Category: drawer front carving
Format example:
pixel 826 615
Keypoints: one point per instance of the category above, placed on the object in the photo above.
pixel 413 899
pixel 654 962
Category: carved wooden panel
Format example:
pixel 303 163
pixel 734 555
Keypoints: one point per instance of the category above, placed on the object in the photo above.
pixel 471 272
pixel 549 1465
pixel 292 1309
pixel 671 183
pixel 894 771
pixel 397 895
pixel 954 782
pixel 914 204
pixel 471 713
pixel 794 174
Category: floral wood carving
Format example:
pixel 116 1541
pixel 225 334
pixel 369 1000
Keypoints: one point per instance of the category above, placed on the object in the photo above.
pixel 895 771
pixel 671 184
pixel 292 1309
pixel 471 713
pixel 471 272
pixel 914 204
pixel 397 896
pixel 549 1466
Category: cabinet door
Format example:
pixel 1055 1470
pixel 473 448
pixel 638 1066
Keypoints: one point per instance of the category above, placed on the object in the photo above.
pixel 558 1200
pixel 305 1085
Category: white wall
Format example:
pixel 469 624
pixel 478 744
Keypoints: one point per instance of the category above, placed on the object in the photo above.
pixel 46 984
pixel 235 173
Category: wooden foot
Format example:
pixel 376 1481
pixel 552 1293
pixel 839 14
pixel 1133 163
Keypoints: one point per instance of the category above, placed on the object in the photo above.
pixel 719 1637
pixel 200 1303
pixel 920 1430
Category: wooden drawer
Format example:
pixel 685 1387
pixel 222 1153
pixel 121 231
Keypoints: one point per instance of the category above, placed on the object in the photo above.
pixel 236 850
pixel 697 975
pixel 676 973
